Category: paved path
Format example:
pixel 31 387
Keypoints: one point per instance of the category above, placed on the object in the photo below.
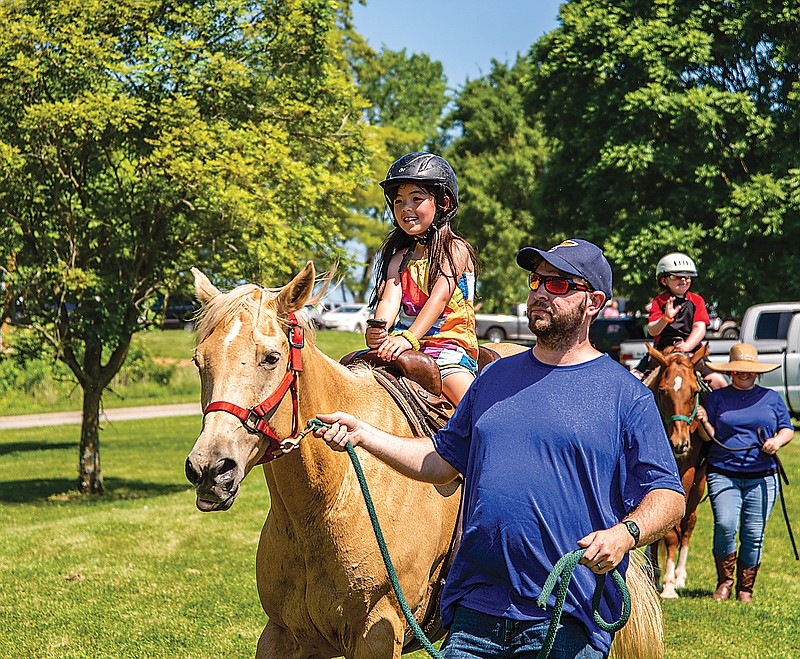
pixel 114 414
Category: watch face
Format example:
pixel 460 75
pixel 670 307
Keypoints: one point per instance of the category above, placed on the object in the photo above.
pixel 633 528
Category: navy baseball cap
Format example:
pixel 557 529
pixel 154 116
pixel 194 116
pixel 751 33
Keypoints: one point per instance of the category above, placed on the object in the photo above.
pixel 575 257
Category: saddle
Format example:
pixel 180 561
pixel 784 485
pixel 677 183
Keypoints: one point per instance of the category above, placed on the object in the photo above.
pixel 414 382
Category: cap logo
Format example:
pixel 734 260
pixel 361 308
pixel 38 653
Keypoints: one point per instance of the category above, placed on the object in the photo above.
pixel 566 243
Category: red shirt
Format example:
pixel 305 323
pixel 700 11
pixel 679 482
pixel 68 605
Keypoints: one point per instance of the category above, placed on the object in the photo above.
pixel 691 310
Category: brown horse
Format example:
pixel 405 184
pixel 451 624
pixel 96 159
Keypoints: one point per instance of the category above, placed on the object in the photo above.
pixel 319 571
pixel 677 390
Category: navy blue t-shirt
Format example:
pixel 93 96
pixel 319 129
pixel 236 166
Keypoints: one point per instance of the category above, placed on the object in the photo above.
pixel 549 454
pixel 739 417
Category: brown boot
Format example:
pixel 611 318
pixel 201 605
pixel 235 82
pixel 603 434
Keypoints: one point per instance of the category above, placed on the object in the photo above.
pixel 745 579
pixel 725 567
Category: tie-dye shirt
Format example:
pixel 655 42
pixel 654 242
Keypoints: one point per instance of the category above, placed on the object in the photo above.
pixel 455 327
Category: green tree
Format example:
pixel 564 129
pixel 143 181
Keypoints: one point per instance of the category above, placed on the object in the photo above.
pixel 498 156
pixel 673 125
pixel 138 138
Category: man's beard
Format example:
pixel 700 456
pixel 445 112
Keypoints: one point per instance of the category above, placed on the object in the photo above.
pixel 559 330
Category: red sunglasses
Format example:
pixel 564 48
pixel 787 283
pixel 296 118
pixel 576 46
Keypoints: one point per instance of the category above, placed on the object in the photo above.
pixel 554 284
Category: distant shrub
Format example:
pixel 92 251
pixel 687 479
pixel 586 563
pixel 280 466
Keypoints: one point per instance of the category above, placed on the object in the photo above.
pixel 140 367
pixel 23 373
pixel 32 379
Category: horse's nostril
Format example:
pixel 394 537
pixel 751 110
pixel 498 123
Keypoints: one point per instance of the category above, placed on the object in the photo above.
pixel 191 473
pixel 225 465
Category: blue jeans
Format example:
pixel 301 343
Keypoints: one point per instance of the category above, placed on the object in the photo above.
pixel 745 501
pixel 475 635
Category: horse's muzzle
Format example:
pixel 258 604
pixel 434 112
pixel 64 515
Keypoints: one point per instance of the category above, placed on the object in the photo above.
pixel 216 486
pixel 680 449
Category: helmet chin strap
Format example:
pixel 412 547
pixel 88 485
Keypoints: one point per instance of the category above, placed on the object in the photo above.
pixel 418 240
pixel 423 239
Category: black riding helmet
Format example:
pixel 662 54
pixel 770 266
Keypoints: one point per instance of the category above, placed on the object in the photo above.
pixel 427 169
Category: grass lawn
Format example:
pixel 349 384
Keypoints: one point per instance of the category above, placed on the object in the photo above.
pixel 171 348
pixel 179 344
pixel 140 573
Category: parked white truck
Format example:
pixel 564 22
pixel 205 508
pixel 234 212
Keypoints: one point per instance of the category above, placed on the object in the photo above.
pixel 606 334
pixel 774 329
pixel 502 327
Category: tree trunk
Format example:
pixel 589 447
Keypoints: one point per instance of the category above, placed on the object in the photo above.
pixel 366 278
pixel 90 476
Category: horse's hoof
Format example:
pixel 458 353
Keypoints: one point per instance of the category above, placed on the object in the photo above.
pixel 669 595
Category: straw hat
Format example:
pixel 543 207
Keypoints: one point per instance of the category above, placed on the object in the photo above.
pixel 744 358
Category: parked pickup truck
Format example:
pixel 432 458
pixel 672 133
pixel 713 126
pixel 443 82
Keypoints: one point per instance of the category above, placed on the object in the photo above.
pixel 774 329
pixel 501 327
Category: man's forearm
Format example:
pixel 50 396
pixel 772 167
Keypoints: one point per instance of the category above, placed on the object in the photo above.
pixel 659 511
pixel 414 457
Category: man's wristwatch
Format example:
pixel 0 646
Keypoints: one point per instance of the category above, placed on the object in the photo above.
pixel 633 529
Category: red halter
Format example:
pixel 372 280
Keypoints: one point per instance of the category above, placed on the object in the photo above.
pixel 255 418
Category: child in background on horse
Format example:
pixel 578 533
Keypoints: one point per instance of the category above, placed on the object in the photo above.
pixel 678 316
pixel 425 274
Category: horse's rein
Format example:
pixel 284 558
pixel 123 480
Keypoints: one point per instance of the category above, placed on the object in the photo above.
pixel 256 419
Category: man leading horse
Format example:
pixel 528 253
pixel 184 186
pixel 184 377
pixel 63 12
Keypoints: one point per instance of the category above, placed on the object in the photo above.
pixel 560 448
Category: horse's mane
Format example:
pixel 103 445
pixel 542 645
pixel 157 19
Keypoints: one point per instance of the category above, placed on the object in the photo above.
pixel 222 309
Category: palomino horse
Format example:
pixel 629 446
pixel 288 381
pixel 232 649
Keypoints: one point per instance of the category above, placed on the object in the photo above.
pixel 321 579
pixel 677 391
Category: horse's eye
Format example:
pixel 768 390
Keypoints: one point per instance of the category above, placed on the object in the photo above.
pixel 270 359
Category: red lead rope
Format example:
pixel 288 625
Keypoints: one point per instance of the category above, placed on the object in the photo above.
pixel 254 419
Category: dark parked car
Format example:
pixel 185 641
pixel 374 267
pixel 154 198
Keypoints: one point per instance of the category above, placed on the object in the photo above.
pixel 180 312
pixel 606 334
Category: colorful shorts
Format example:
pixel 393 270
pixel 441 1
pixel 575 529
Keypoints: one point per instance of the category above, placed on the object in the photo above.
pixel 450 359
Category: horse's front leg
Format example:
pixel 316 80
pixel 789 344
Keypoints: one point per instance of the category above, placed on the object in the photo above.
pixel 383 634
pixel 671 550
pixel 687 528
pixel 652 557
pixel 276 643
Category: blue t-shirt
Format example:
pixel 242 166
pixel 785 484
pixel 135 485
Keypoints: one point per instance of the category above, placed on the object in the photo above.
pixel 549 454
pixel 738 416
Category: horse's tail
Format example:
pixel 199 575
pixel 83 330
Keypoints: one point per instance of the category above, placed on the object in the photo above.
pixel 643 636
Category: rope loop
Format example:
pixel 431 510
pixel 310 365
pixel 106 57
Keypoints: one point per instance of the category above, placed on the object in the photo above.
pixel 563 569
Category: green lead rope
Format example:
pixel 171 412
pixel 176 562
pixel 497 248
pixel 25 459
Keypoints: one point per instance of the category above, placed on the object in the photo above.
pixel 563 569
pixel 315 424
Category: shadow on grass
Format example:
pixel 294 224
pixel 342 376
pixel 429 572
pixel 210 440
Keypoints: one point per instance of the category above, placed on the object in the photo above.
pixel 64 491
pixel 26 447
pixel 695 593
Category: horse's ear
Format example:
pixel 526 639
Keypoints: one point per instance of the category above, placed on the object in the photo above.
pixel 203 288
pixel 296 293
pixel 657 355
pixel 700 353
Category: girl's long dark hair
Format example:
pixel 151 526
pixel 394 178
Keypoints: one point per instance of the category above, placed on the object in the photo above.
pixel 441 242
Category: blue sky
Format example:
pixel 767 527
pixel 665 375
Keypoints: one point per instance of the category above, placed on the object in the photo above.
pixel 464 35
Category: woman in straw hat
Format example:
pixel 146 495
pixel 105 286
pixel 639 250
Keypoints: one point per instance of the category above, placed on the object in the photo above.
pixel 748 424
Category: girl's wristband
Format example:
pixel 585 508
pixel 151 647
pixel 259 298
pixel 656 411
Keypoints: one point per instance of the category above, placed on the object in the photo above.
pixel 669 319
pixel 408 336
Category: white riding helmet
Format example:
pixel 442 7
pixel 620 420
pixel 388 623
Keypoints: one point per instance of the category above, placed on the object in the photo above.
pixel 675 263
